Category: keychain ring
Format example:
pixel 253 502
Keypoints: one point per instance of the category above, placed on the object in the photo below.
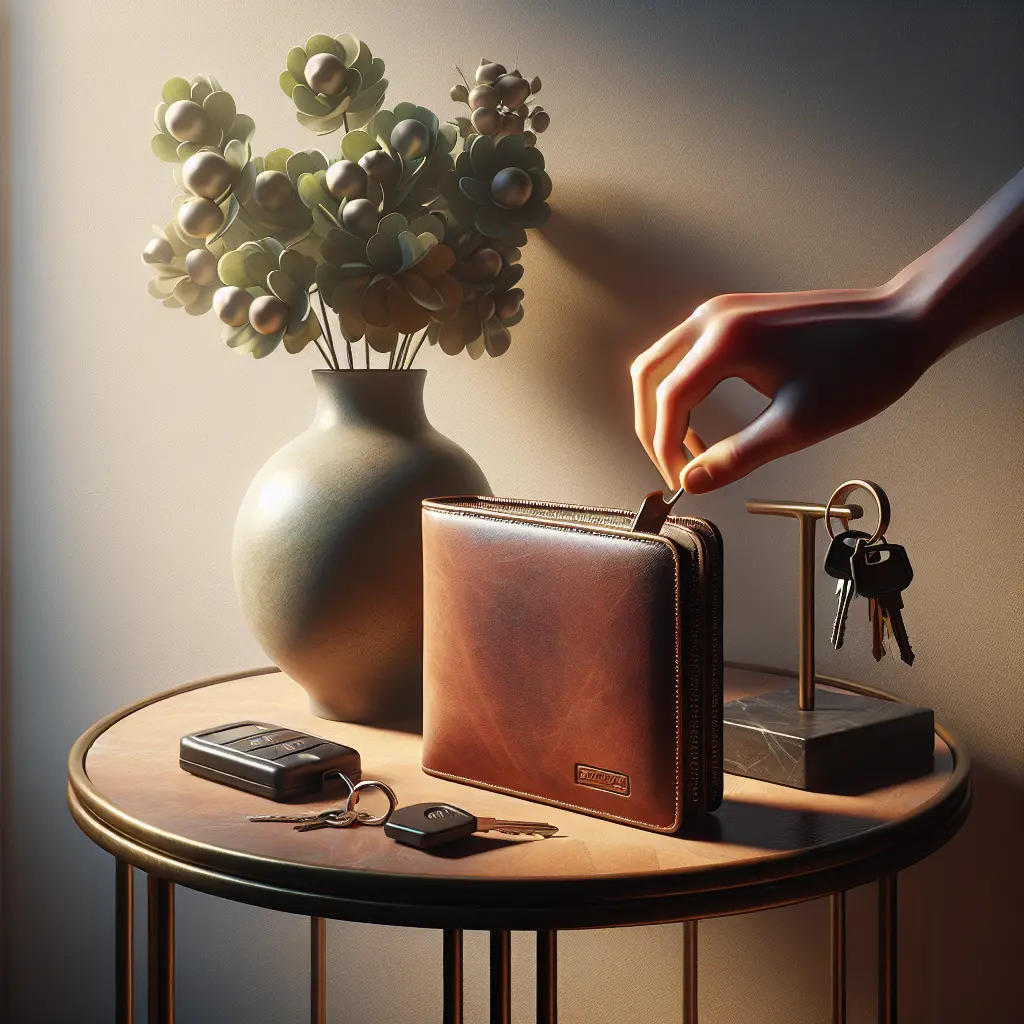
pixel 843 491
pixel 385 789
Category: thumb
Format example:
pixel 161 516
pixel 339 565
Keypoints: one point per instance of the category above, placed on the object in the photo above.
pixel 766 437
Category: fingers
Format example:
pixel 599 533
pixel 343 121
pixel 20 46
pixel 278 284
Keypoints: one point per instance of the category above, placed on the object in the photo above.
pixel 649 369
pixel 767 437
pixel 697 375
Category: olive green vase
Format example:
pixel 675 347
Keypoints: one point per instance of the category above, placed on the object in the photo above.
pixel 327 550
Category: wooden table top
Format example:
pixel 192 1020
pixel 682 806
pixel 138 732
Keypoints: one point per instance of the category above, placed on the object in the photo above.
pixel 768 845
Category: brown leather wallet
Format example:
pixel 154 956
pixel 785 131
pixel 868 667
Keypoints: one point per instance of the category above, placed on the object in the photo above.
pixel 572 661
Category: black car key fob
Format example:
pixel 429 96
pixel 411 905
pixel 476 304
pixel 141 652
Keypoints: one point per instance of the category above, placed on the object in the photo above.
pixel 427 826
pixel 269 760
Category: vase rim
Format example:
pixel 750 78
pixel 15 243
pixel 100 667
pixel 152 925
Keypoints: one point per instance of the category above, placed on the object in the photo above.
pixel 373 370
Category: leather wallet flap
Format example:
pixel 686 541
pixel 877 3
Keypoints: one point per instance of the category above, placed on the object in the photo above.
pixel 554 662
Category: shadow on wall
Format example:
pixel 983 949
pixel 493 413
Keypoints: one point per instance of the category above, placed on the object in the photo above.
pixel 647 271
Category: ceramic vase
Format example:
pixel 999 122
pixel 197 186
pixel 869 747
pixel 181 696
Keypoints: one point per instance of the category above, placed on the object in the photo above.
pixel 327 550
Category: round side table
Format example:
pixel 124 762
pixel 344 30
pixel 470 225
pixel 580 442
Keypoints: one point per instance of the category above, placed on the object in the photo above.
pixel 768 846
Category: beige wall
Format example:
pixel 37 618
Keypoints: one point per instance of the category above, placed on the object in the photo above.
pixel 695 148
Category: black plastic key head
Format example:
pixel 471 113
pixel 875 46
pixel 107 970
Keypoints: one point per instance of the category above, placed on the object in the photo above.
pixel 427 826
pixel 880 569
pixel 840 551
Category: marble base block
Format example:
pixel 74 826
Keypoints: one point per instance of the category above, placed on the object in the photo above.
pixel 849 743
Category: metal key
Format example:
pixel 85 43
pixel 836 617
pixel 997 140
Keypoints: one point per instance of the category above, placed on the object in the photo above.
pixel 427 826
pixel 837 565
pixel 344 819
pixel 882 572
pixel 878 650
pixel 295 819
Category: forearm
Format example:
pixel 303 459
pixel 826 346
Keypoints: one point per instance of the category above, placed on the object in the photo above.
pixel 974 278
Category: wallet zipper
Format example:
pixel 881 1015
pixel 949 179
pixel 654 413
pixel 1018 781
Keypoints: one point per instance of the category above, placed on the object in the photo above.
pixel 712 763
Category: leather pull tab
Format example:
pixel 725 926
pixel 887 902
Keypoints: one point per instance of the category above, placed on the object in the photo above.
pixel 653 512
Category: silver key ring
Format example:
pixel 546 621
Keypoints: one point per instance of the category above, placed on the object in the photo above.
pixel 843 491
pixel 385 789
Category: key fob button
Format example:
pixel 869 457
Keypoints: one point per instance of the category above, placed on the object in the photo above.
pixel 289 746
pixel 265 739
pixel 302 757
pixel 238 732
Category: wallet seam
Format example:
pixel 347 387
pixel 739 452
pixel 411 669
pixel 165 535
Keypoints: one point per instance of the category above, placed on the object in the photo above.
pixel 650 541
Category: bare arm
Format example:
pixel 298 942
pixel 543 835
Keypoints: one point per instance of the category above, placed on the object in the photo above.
pixel 816 354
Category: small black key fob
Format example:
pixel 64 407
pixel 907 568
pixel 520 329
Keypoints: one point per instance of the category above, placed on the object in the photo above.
pixel 271 761
pixel 427 826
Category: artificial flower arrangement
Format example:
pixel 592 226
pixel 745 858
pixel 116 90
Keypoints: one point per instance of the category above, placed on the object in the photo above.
pixel 411 230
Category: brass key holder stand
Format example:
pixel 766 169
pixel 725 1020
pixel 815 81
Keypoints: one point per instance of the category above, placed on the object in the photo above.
pixel 822 739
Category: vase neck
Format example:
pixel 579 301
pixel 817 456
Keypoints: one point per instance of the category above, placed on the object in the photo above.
pixel 391 400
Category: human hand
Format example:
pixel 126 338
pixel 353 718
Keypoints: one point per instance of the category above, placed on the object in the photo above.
pixel 828 360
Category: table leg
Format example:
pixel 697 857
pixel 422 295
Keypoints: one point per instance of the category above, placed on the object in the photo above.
pixel 501 977
pixel 547 977
pixel 124 940
pixel 837 920
pixel 452 990
pixel 888 958
pixel 161 950
pixel 689 972
pixel 317 970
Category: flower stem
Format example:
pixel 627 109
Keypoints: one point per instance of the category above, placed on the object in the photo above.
pixel 344 121
pixel 330 365
pixel 415 349
pixel 367 354
pixel 400 354
pixel 327 328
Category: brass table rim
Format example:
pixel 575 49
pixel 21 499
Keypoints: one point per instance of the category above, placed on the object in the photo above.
pixel 387 897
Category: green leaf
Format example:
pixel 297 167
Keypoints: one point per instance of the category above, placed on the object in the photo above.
pixel 476 348
pixel 392 225
pixel 242 339
pixel 496 338
pixel 355 53
pixel 481 154
pixel 276 159
pixel 165 148
pixel 282 286
pixel 541 185
pixel 221 108
pixel 185 150
pixel 242 128
pixel 492 222
pixel 383 125
pixel 385 253
pixel 321 43
pixel 298 164
pixel 231 270
pixel 159 118
pixel 236 153
pixel 296 341
pixel 475 190
pixel 355 145
pixel 266 344
pixel 447 137
pixel 175 89
pixel 201 88
pixel 295 62
pixel 287 83
pixel 310 192
pixel 307 103
pixel 186 291
pixel 229 218
pixel 421 292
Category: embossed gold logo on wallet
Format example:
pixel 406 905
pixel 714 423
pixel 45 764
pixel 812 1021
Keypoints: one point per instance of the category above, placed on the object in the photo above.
pixel 601 778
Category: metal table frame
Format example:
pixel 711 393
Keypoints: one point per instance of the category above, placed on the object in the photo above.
pixel 889 848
